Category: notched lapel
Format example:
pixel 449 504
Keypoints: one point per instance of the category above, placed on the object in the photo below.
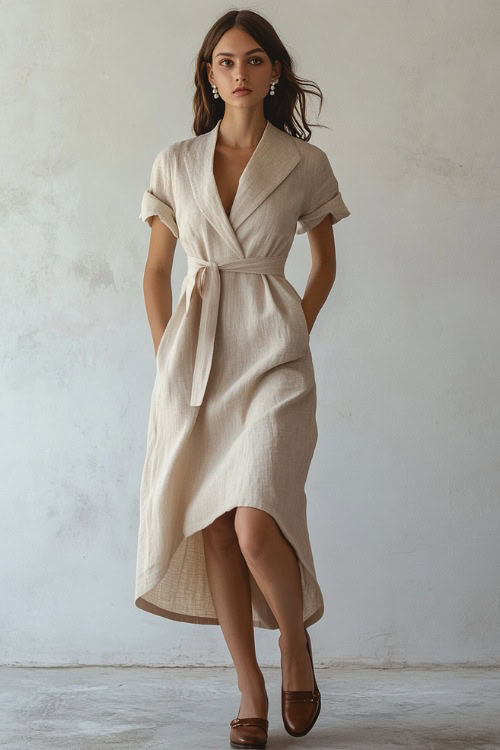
pixel 274 158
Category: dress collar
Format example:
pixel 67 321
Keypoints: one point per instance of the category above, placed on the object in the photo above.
pixel 273 159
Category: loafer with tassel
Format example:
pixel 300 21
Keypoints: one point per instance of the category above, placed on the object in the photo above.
pixel 300 708
pixel 249 732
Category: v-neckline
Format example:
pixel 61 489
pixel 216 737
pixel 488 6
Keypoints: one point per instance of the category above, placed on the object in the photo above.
pixel 274 157
pixel 245 170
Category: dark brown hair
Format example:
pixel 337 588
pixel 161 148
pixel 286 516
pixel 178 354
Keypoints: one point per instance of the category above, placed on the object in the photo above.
pixel 290 93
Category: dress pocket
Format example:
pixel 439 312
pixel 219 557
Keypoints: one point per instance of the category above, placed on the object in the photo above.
pixel 163 339
pixel 304 319
pixel 300 310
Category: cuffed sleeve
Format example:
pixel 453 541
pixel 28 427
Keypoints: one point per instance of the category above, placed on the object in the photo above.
pixel 158 199
pixel 324 196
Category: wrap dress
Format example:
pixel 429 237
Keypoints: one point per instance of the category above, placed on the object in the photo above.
pixel 233 408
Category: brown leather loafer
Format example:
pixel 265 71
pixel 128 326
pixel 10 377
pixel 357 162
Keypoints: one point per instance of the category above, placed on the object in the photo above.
pixel 300 708
pixel 249 732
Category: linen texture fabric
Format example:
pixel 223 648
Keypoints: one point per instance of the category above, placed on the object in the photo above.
pixel 233 408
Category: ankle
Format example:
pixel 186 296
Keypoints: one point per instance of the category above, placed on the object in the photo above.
pixel 291 644
pixel 252 684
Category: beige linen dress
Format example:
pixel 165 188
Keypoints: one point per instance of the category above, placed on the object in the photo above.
pixel 233 408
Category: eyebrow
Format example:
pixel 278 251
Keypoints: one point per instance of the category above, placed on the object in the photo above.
pixel 230 54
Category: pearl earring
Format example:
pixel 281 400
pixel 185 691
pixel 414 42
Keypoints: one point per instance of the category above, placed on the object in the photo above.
pixel 214 91
pixel 273 84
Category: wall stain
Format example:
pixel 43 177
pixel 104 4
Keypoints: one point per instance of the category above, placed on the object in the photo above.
pixel 95 271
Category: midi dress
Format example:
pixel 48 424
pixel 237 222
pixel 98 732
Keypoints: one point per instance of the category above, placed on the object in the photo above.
pixel 232 421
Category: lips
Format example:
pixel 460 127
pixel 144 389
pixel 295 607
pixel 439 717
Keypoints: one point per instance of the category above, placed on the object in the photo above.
pixel 242 89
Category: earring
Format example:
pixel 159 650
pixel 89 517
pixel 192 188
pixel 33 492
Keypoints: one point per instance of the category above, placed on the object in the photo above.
pixel 214 91
pixel 273 84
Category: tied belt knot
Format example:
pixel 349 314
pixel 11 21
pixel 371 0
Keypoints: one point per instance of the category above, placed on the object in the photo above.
pixel 204 275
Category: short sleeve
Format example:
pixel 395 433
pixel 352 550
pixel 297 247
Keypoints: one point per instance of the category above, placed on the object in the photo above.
pixel 323 196
pixel 158 200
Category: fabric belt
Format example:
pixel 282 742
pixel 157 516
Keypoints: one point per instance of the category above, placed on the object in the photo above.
pixel 205 276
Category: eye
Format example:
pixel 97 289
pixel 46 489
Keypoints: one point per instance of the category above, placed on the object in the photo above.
pixel 226 59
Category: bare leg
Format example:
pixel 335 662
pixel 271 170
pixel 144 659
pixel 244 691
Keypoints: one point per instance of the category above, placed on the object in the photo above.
pixel 230 588
pixel 274 565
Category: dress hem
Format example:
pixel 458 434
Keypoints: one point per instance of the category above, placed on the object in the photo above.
pixel 197 620
pixel 157 573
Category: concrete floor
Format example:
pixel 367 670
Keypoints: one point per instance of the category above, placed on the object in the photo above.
pixel 147 709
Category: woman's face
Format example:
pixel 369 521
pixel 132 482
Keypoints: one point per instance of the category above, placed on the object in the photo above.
pixel 238 60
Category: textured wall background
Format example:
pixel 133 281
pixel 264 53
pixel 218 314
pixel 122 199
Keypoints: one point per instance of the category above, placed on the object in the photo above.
pixel 403 493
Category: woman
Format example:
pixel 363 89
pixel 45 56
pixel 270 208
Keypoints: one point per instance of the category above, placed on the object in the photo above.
pixel 223 536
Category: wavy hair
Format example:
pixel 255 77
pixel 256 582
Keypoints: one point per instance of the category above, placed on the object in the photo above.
pixel 289 96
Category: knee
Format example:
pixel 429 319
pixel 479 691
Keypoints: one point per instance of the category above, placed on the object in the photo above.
pixel 221 534
pixel 255 530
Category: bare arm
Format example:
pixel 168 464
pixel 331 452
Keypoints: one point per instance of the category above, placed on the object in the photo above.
pixel 157 279
pixel 323 270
